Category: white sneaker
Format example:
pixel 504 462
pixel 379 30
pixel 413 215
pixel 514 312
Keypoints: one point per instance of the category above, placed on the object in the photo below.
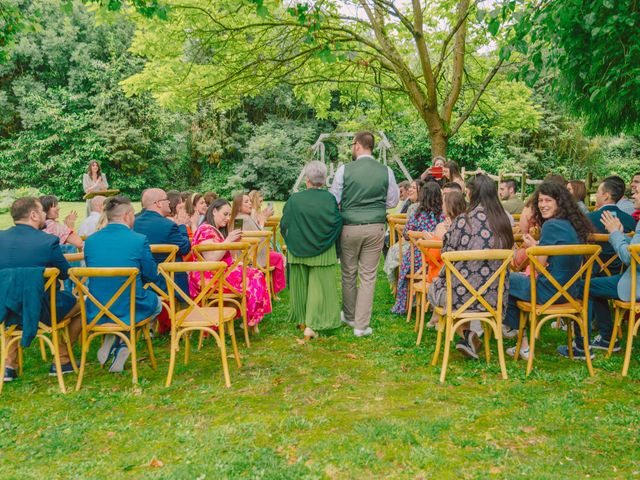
pixel 119 358
pixel 524 352
pixel 508 332
pixel 351 323
pixel 107 349
pixel 363 333
pixel 559 325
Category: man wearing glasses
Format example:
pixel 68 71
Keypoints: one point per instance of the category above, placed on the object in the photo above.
pixel 364 189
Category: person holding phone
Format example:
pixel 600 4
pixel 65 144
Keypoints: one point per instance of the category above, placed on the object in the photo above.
pixel 435 171
pixel 242 219
pixel 259 215
pixel 214 229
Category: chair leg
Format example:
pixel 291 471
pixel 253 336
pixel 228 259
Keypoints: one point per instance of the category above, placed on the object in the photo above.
pixel 523 320
pixel 83 360
pixel 245 322
pixel 20 359
pixel 617 320
pixel 418 297
pixel 570 327
pixel 448 338
pixel 584 331
pixel 67 341
pixel 423 310
pixel 187 346
pixel 201 340
pixel 3 356
pixel 503 365
pixel 487 338
pixel 236 354
pixel 172 358
pixel 440 329
pixel 223 354
pixel 147 335
pixel 629 347
pixel 532 343
pixel 134 356
pixel 55 351
pixel 409 300
pixel 43 350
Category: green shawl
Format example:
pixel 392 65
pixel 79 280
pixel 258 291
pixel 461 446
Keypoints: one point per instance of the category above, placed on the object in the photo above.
pixel 311 222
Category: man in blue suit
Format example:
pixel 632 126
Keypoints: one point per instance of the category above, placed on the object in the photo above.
pixel 153 223
pixel 26 245
pixel 117 245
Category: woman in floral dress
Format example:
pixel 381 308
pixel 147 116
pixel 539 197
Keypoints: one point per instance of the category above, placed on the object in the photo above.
pixel 214 230
pixel 427 215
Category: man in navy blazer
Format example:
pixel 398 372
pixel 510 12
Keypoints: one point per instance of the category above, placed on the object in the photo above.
pixel 153 223
pixel 26 245
pixel 117 245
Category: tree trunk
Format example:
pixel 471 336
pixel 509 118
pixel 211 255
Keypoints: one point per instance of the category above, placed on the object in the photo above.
pixel 439 143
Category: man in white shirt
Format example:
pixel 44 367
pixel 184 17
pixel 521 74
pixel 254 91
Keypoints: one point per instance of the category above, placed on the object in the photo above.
pixel 364 189
pixel 88 226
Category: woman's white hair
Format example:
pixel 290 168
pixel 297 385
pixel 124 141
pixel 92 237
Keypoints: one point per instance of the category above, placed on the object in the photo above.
pixel 316 172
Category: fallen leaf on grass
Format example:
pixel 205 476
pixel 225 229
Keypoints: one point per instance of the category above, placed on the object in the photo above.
pixel 300 341
pixel 278 380
pixel 495 470
pixel 155 463
pixel 351 356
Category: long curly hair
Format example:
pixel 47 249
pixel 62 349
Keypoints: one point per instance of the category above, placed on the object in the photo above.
pixel 430 199
pixel 567 208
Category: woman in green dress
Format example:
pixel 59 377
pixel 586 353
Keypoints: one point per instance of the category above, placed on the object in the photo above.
pixel 310 225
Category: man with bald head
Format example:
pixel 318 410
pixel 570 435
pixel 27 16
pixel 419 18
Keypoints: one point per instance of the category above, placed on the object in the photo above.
pixel 153 223
pixel 89 224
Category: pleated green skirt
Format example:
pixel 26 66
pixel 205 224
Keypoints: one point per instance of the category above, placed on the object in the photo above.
pixel 313 290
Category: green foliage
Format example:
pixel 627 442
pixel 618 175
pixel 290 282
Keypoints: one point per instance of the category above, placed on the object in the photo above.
pixel 588 53
pixel 274 157
pixel 7 197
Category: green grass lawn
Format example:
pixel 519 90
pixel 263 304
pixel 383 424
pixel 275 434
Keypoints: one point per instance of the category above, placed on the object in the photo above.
pixel 336 407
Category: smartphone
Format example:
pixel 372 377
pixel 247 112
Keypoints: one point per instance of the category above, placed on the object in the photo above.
pixel 270 205
pixel 436 172
pixel 237 224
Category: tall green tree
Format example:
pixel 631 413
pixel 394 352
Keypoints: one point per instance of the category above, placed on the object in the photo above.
pixel 587 53
pixel 440 56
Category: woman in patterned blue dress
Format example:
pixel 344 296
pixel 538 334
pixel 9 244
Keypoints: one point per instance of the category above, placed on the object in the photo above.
pixel 427 215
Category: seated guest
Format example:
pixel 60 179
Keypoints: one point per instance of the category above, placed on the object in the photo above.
pixel 625 204
pixel 214 229
pixel 64 231
pixel 562 224
pixel 451 187
pixel 209 197
pixel 178 212
pixel 483 226
pixel 634 186
pixel 427 216
pixel 451 173
pixel 311 251
pixel 609 192
pixel 578 189
pixel 393 255
pixel 616 287
pixel 403 187
pixel 437 161
pixel 132 251
pixel 259 214
pixel 196 207
pixel 158 229
pixel 89 224
pixel 241 210
pixel 26 245
pixel 508 195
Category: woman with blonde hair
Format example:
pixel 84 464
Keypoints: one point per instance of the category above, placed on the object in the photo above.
pixel 259 215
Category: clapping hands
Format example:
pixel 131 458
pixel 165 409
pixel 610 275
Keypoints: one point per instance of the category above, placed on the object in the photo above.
pixel 611 223
pixel 70 220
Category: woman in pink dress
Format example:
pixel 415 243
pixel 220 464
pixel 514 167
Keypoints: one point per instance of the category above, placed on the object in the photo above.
pixel 214 230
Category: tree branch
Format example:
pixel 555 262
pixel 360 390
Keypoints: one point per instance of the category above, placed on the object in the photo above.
pixel 458 62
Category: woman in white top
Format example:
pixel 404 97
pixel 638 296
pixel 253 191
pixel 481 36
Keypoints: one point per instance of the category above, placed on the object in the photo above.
pixel 93 181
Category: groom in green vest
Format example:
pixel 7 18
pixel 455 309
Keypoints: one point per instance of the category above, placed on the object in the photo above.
pixel 364 189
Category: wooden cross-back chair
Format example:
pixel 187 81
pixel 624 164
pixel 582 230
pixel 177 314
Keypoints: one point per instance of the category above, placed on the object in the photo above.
pixel 632 308
pixel 491 317
pixel 205 313
pixel 172 252
pixel 427 248
pixel 273 223
pixel 414 275
pixel 46 334
pixel 263 245
pixel 574 309
pixel 605 266
pixel 236 297
pixel 398 229
pixel 91 329
pixel 394 220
